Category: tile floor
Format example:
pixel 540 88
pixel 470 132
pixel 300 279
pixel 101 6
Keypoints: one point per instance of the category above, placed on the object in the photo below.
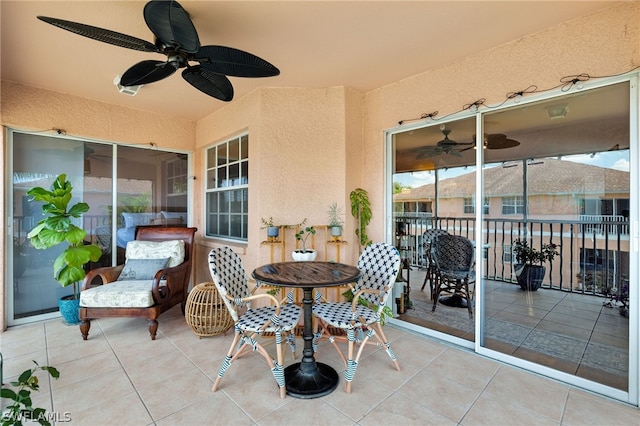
pixel 120 377
pixel 569 332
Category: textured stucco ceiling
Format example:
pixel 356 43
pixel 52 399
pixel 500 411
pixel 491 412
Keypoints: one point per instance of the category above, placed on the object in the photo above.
pixel 358 44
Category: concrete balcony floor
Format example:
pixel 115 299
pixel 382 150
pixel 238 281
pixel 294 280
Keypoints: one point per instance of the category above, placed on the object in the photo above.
pixel 569 332
pixel 120 377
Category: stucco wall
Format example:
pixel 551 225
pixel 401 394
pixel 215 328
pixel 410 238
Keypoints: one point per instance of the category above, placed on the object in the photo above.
pixel 601 44
pixel 298 150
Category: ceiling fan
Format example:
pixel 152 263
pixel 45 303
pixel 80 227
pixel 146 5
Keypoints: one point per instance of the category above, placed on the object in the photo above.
pixel 444 146
pixel 176 37
pixel 495 141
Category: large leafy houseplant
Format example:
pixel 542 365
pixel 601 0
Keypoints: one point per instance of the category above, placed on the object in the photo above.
pixel 57 228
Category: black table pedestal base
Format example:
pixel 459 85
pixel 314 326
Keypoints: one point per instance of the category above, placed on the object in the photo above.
pixel 315 383
pixel 454 301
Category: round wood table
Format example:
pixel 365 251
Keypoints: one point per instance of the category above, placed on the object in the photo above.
pixel 308 378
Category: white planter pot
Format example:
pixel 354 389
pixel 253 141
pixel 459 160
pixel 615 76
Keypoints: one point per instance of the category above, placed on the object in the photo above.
pixel 306 256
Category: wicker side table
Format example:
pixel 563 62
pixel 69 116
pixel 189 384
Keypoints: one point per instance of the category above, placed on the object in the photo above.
pixel 205 311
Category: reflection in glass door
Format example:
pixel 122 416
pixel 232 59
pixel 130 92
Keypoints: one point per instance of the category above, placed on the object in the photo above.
pixel 152 188
pixel 444 156
pixel 36 161
pixel 572 193
pixel 555 173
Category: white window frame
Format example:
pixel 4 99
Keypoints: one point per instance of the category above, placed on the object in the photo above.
pixel 227 179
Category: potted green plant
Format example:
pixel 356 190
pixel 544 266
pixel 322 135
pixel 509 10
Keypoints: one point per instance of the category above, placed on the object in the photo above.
pixel 529 268
pixel 21 408
pixel 361 210
pixel 335 221
pixel 273 230
pixel 384 313
pixel 57 228
pixel 304 254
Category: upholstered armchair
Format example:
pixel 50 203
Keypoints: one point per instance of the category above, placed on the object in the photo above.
pixel 154 278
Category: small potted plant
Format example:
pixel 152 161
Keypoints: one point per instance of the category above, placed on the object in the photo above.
pixel 273 230
pixel 304 254
pixel 57 228
pixel 529 268
pixel 335 221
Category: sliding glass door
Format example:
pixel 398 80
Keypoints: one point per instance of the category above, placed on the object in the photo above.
pixel 556 173
pixel 151 190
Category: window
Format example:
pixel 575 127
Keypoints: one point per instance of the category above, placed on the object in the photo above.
pixel 227 189
pixel 513 205
pixel 469 205
pixel 507 254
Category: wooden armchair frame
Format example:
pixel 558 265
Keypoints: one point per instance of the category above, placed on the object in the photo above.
pixel 165 297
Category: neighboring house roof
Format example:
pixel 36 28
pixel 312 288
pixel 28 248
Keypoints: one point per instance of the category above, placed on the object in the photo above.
pixel 548 176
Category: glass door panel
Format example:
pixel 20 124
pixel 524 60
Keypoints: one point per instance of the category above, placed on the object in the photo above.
pixel 152 190
pixel 563 181
pixel 434 189
pixel 37 160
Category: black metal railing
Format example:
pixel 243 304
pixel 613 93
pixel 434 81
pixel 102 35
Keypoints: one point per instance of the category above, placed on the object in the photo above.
pixel 593 254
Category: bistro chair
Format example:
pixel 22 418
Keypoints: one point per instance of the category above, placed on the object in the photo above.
pixel 453 260
pixel 379 264
pixel 281 319
pixel 427 240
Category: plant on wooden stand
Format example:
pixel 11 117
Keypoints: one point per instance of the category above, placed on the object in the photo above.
pixel 57 228
pixel 335 221
pixel 273 230
pixel 302 235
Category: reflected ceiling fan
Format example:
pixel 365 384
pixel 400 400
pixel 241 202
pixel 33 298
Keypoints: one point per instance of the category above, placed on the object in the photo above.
pixel 444 146
pixel 176 37
pixel 495 141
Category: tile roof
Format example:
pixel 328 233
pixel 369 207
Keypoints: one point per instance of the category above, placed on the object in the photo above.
pixel 548 176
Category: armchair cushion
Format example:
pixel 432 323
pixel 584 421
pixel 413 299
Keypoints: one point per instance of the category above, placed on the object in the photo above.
pixel 120 294
pixel 141 269
pixel 172 249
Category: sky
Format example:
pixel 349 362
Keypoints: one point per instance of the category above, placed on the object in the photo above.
pixel 618 160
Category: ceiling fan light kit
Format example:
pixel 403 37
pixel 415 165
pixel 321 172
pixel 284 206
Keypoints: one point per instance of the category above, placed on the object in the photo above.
pixel 126 90
pixel 175 37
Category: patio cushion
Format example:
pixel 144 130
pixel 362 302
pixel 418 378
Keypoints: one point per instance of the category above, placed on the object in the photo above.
pixel 119 294
pixel 172 249
pixel 142 269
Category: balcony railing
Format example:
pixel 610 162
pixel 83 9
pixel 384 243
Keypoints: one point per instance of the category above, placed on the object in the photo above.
pixel 593 251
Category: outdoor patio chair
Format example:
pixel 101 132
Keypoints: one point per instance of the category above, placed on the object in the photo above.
pixel 453 261
pixel 427 240
pixel 379 264
pixel 280 319
pixel 154 278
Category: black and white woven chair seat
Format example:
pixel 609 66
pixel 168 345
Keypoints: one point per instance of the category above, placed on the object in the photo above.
pixel 379 265
pixel 230 279
pixel 254 320
pixel 341 315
